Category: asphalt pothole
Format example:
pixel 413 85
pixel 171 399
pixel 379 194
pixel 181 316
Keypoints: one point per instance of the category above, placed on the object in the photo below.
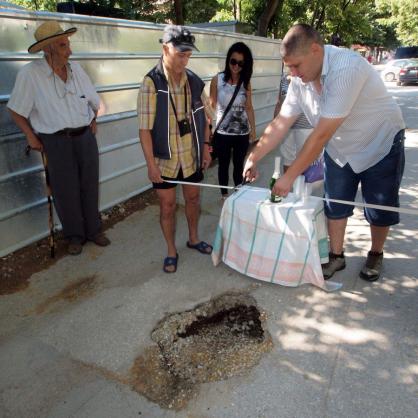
pixel 221 338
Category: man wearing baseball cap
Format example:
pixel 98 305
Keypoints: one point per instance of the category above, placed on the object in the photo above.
pixel 174 136
pixel 55 104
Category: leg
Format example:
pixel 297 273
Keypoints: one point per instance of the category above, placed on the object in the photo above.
pixel 239 151
pixel 65 185
pixel 223 150
pixel 336 231
pixel 167 199
pixel 340 183
pixel 192 207
pixel 380 185
pixel 379 235
pixel 88 163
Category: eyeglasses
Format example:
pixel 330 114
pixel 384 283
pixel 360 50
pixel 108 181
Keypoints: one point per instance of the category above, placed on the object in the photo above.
pixel 233 61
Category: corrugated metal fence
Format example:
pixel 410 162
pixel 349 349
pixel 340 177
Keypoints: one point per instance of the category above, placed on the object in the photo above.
pixel 116 54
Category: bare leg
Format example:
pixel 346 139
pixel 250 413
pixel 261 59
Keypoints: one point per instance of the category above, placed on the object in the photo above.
pixel 336 232
pixel 192 200
pixel 167 199
pixel 379 234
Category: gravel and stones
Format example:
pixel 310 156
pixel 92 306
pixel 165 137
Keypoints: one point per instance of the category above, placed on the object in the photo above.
pixel 221 338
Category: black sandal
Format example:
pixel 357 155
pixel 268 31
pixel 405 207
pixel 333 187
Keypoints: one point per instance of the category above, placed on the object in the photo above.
pixel 170 261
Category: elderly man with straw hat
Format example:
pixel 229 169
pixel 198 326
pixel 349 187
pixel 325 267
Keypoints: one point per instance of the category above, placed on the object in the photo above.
pixel 55 105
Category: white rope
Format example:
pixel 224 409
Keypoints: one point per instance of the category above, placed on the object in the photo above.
pixel 344 202
pixel 201 184
pixel 370 205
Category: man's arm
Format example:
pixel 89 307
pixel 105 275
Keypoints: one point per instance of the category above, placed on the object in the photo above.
pixel 272 136
pixel 313 146
pixel 207 159
pixel 24 125
pixel 154 173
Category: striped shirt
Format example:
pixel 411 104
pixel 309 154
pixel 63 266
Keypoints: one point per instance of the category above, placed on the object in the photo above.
pixel 50 103
pixel 183 152
pixel 353 90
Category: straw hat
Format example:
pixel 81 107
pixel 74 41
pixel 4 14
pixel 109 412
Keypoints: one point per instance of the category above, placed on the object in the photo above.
pixel 49 32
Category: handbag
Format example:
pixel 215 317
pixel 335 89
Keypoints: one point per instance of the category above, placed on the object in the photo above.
pixel 315 171
pixel 212 138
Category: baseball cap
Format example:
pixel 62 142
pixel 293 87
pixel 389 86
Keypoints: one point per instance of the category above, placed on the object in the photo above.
pixel 180 37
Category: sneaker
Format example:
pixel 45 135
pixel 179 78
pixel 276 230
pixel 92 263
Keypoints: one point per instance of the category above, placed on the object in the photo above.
pixel 101 240
pixel 372 266
pixel 74 248
pixel 336 263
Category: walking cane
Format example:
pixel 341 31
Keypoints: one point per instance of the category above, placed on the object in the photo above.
pixel 49 197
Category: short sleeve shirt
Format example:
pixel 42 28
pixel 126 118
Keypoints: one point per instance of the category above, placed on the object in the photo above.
pixel 50 103
pixel 351 89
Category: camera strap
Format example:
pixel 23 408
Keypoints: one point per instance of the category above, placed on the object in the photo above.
pixel 185 103
pixel 227 109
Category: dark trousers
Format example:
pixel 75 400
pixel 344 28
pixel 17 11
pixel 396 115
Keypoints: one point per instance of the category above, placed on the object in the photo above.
pixel 227 145
pixel 73 164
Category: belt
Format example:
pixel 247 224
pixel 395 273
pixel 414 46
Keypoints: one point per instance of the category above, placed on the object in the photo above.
pixel 69 132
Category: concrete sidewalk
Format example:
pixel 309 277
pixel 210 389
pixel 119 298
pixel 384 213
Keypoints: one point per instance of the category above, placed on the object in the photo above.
pixel 67 351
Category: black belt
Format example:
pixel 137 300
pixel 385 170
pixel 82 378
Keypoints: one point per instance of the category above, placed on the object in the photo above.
pixel 70 131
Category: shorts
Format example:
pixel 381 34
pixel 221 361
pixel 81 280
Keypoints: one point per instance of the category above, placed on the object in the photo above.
pixel 379 185
pixel 196 177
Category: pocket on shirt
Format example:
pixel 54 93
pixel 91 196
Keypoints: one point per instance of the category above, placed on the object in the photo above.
pixel 84 107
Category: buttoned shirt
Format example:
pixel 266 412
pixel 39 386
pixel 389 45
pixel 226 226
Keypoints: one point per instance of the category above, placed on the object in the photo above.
pixel 351 89
pixel 183 153
pixel 51 104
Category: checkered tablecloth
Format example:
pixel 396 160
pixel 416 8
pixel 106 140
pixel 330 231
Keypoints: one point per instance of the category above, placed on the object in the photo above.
pixel 283 243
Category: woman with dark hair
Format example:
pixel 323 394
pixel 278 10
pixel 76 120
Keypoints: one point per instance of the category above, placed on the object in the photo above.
pixel 230 95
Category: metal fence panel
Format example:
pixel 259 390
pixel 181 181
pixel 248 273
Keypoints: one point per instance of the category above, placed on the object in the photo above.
pixel 116 54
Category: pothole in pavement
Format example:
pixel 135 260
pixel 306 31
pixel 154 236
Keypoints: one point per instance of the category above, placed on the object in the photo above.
pixel 221 338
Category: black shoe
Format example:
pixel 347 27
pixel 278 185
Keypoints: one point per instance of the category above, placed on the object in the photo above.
pixel 336 263
pixel 372 267
pixel 74 248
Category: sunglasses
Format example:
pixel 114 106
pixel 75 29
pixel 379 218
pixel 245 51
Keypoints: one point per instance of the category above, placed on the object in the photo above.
pixel 184 37
pixel 233 61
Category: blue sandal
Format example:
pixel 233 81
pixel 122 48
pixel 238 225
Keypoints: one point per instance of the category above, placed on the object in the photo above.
pixel 201 246
pixel 170 261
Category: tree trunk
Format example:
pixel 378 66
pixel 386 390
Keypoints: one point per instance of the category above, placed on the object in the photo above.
pixel 267 15
pixel 178 9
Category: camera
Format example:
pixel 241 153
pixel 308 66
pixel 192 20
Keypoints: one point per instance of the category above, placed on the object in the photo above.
pixel 184 127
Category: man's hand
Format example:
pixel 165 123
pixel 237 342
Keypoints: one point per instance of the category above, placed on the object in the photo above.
pixel 154 174
pixel 34 142
pixel 93 126
pixel 250 172
pixel 283 185
pixel 207 159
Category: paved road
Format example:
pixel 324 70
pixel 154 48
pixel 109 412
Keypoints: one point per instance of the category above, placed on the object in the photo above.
pixel 68 342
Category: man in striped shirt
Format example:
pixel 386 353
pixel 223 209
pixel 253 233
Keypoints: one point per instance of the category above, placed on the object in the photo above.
pixel 361 128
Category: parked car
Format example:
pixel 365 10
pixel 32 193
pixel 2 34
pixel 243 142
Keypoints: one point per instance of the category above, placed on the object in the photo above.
pixel 390 71
pixel 409 73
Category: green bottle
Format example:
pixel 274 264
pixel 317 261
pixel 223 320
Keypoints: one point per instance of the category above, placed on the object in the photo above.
pixel 276 174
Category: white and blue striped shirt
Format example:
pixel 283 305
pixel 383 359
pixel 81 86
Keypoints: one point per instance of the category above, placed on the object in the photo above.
pixel 353 90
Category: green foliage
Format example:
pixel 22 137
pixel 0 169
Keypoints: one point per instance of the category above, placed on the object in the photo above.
pixel 197 11
pixel 401 15
pixel 49 5
pixel 371 22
